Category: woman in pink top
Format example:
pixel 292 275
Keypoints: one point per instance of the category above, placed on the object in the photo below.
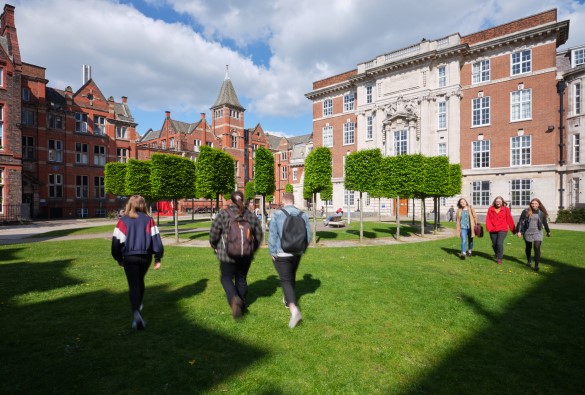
pixel 498 221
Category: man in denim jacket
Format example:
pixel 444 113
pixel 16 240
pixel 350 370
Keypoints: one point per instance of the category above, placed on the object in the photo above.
pixel 286 264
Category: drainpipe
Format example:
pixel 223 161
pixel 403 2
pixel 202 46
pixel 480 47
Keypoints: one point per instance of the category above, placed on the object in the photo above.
pixel 561 85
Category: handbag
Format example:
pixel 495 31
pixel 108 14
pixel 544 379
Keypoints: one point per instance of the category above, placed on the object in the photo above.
pixel 478 230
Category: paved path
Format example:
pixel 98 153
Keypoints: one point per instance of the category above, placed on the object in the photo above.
pixel 17 234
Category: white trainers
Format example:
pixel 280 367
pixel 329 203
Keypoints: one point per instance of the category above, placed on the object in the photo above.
pixel 138 323
pixel 295 318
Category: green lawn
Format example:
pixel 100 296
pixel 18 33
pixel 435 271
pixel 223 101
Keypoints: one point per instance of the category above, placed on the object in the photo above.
pixel 399 319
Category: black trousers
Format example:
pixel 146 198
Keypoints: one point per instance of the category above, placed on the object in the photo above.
pixel 498 243
pixel 286 267
pixel 528 250
pixel 135 267
pixel 234 279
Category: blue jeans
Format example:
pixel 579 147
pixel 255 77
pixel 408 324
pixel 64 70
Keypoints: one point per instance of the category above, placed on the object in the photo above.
pixel 465 235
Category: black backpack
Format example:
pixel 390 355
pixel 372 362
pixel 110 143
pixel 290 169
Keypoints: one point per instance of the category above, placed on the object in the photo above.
pixel 294 234
pixel 239 237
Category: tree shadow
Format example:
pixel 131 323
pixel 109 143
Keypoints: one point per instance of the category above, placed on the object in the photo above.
pixel 325 234
pixel 262 289
pixel 534 346
pixel 9 254
pixel 367 234
pixel 307 285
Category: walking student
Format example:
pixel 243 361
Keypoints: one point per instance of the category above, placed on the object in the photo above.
pixel 465 220
pixel 286 244
pixel 135 240
pixel 530 225
pixel 498 221
pixel 235 236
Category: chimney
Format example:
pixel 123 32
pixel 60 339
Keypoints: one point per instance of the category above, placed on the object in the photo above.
pixel 85 74
pixel 124 99
pixel 202 115
pixel 8 29
pixel 168 114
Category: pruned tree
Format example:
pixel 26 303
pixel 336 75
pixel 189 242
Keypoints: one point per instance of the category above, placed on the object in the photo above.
pixel 437 181
pixel 249 191
pixel 362 169
pixel 317 178
pixel 288 188
pixel 215 174
pixel 138 178
pixel 173 177
pixel 264 177
pixel 115 179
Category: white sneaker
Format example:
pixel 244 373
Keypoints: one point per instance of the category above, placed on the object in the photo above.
pixel 295 318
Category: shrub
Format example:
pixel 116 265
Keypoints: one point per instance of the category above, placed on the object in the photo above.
pixel 573 215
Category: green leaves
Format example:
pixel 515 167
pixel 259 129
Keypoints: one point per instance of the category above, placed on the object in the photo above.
pixel 172 177
pixel 264 183
pixel 362 169
pixel 317 172
pixel 215 173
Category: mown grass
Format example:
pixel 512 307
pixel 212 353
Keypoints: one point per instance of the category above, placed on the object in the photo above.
pixel 403 318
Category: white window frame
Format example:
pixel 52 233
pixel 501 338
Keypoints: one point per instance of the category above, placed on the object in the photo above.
pixel 369 94
pixel 172 143
pixel 1 190
pixel 521 105
pixel 480 71
pixel 480 154
pixel 122 155
pixel 283 155
pixel 121 132
pixel 1 125
pixel 576 148
pixel 99 189
pixel 283 173
pixel 480 111
pixel 328 136
pixel 196 145
pixel 81 122
pixel 442 149
pixel 442 115
pixel 577 57
pixel 327 107
pixel 521 62
pixel 236 168
pixel 163 144
pixel 295 173
pixel 520 192
pixel 348 198
pixel 400 142
pixel 56 151
pixel 577 98
pixel 520 151
pixel 442 76
pixel 480 193
pixel 348 133
pixel 369 127
pixel 99 155
pixel 81 153
pixel 55 186
pixel 234 141
pixel 1 76
pixel 81 187
pixel 348 102
pixel 99 125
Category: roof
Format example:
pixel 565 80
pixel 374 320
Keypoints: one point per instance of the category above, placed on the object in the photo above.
pixel 227 96
pixel 273 141
pixel 122 112
pixel 55 98
pixel 150 135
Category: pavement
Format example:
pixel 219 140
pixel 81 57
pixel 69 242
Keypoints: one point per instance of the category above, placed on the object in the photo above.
pixel 17 234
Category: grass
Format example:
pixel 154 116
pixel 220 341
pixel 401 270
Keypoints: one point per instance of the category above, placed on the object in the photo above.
pixel 397 319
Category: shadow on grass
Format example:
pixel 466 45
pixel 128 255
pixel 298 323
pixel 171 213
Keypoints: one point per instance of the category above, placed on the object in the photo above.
pixel 307 285
pixel 262 289
pixel 534 346
pixel 488 257
pixel 65 354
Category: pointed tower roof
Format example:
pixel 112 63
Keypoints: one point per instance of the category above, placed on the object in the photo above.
pixel 227 94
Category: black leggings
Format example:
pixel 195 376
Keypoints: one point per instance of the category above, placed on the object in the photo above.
pixel 286 267
pixel 528 250
pixel 135 267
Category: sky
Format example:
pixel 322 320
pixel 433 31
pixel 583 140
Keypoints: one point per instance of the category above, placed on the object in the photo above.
pixel 171 55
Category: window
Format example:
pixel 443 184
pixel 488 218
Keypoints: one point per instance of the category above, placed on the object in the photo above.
pixel 480 72
pixel 55 186
pixel 578 57
pixel 122 155
pixel 295 172
pixel 28 149
pixel 234 141
pixel 368 200
pixel 577 98
pixel 480 114
pixel 25 94
pixel 521 149
pixel 1 125
pixel 369 128
pixel 55 151
pixel 234 114
pixel 99 125
pixel 348 198
pixel 521 62
pixel 55 121
pixel 284 155
pixel 1 76
pixel 442 151
pixel 283 172
pixel 575 192
pixel 401 142
pixel 1 190
pixel 80 122
pixel 521 102
pixel 209 143
pixel 218 113
pixel 27 117
pixel 99 190
pixel 369 90
pixel 99 155
pixel 163 144
pixel 442 112
pixel 348 101
pixel 172 143
pixel 121 132
pixel 480 154
pixel 521 192
pixel 348 133
pixel 327 107
pixel 328 136
pixel 81 187
pixel 236 168
pixel 81 154
pixel 442 76
pixel 196 145
pixel 480 193
pixel 576 148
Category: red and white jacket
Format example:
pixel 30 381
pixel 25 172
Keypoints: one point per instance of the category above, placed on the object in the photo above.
pixel 136 236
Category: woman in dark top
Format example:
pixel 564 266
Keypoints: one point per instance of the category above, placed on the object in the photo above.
pixel 530 225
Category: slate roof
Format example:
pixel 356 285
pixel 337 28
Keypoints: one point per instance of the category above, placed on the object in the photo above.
pixel 122 112
pixel 55 98
pixel 150 135
pixel 227 96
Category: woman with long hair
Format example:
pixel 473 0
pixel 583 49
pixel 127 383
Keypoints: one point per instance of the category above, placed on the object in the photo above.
pixel 465 220
pixel 498 221
pixel 234 269
pixel 135 240
pixel 530 225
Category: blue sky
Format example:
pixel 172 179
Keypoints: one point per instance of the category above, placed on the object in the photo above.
pixel 171 54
